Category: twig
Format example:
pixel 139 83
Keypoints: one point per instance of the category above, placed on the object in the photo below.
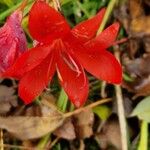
pixel 16 146
pixel 1 140
pixel 103 87
pixel 77 111
pixel 82 145
pixel 121 112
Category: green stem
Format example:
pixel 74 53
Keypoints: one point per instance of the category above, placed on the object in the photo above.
pixel 143 145
pixel 43 142
pixel 71 107
pixel 83 9
pixel 107 15
pixel 62 100
pixel 8 11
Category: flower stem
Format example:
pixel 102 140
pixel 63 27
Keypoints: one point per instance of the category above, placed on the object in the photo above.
pixel 83 9
pixel 43 142
pixel 143 145
pixel 121 111
pixel 107 15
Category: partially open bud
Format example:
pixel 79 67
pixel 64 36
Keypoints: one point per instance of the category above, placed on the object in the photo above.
pixel 12 41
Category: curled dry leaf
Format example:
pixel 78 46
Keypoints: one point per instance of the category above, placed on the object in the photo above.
pixel 83 123
pixel 7 99
pixel 31 127
pixel 110 135
pixel 139 69
pixel 66 131
pixel 143 89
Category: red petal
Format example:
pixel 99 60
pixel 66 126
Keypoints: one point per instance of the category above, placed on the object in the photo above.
pixel 7 57
pixel 34 82
pixel 86 30
pixel 72 78
pixel 28 61
pixel 108 36
pixel 102 64
pixel 45 23
pixel 12 41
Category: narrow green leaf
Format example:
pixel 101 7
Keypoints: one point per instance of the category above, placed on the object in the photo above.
pixel 144 136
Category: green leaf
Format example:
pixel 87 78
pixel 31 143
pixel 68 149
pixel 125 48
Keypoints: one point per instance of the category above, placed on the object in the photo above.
pixel 142 110
pixel 144 136
pixel 9 3
pixel 103 112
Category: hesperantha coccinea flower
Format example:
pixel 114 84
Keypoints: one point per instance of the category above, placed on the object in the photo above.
pixel 12 41
pixel 65 51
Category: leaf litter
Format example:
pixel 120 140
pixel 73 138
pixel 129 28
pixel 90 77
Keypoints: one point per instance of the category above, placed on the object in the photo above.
pixel 32 127
pixel 135 18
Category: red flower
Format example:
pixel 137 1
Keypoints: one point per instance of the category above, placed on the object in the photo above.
pixel 12 41
pixel 66 50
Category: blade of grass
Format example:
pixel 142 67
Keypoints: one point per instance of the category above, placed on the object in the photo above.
pixel 62 100
pixel 107 15
pixel 43 142
pixel 8 11
pixel 143 145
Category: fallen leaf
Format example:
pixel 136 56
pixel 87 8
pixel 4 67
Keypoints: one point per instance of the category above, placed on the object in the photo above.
pixel 31 127
pixel 7 99
pixel 83 123
pixel 138 67
pixel 139 23
pixel 110 135
pixel 66 131
pixel 135 17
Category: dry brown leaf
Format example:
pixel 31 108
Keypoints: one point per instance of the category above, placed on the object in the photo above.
pixel 138 67
pixel 31 127
pixel 135 17
pixel 139 87
pixel 142 89
pixel 26 128
pixel 139 22
pixel 66 131
pixel 7 99
pixel 83 123
pixel 110 135
pixel 140 70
